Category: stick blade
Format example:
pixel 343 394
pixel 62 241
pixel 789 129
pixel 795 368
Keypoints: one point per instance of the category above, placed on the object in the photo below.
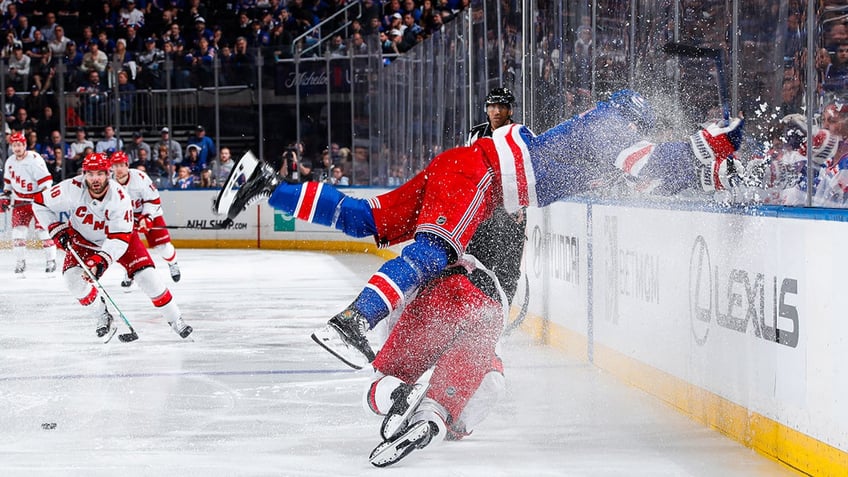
pixel 128 337
pixel 241 173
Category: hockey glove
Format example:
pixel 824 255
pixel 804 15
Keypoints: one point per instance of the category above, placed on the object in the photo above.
pixel 143 223
pixel 62 233
pixel 824 146
pixel 97 264
pixel 5 201
pixel 716 142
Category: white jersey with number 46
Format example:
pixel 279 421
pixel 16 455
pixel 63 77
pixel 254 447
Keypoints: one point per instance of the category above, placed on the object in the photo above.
pixel 107 222
pixel 143 194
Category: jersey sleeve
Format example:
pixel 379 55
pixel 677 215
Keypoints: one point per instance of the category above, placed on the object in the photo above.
pixel 42 176
pixel 151 205
pixel 48 205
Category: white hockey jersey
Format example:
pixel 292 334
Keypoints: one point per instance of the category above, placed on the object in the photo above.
pixel 143 194
pixel 26 176
pixel 107 222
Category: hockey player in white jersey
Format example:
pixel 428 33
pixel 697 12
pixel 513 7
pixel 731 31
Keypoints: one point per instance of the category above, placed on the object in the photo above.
pixel 93 214
pixel 147 212
pixel 25 174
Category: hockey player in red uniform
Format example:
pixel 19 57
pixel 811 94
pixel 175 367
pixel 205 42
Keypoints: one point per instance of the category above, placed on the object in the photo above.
pixel 147 212
pixel 93 214
pixel 440 208
pixel 25 174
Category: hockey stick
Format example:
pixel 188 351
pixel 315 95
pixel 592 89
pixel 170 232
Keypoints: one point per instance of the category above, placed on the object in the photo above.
pixel 717 55
pixel 126 337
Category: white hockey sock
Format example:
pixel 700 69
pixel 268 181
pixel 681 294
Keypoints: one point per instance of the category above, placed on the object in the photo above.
pixel 152 286
pixel 167 252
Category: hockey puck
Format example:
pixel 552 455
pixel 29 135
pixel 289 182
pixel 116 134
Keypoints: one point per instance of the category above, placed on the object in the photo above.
pixel 48 426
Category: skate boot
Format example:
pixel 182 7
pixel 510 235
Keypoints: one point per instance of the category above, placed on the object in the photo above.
pixel 344 337
pixel 416 436
pixel 261 184
pixel 20 267
pixel 181 328
pixel 50 267
pixel 174 268
pixel 127 281
pixel 104 323
pixel 405 400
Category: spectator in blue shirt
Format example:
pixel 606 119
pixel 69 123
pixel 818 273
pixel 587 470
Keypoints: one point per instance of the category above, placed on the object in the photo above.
pixel 207 146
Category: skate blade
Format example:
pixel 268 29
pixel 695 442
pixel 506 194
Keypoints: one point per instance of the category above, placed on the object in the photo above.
pixel 390 452
pixel 109 334
pixel 330 340
pixel 241 172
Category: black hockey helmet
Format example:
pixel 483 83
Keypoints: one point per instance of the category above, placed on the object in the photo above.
pixel 500 96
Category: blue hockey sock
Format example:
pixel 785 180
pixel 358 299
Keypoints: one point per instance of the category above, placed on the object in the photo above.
pixel 324 205
pixel 419 262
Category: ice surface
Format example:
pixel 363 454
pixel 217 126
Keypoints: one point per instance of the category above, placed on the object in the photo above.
pixel 253 395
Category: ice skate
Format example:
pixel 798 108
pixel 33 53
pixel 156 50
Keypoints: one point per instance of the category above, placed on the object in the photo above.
pixel 104 323
pixel 405 400
pixel 344 337
pixel 260 186
pixel 20 267
pixel 416 436
pixel 50 267
pixel 181 328
pixel 174 268
pixel 126 282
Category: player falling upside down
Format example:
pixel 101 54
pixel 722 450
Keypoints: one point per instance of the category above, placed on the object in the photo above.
pixel 440 208
pixel 147 212
pixel 99 227
pixel 25 174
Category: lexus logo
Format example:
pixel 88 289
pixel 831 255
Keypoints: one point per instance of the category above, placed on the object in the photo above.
pixel 700 290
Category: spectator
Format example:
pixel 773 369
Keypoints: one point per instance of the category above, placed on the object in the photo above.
pixel 38 48
pixel 321 171
pixel 10 44
pixel 126 97
pixel 25 31
pixel 192 159
pixel 79 146
pixel 207 146
pixel 305 171
pixel 59 43
pixel 48 30
pixel 13 102
pixel 337 178
pixel 134 42
pixel 93 98
pixel 35 102
pixel 358 45
pixel 411 32
pixel 106 44
pixel 19 68
pixel 110 142
pixel 143 160
pixel 47 123
pixel 94 59
pixel 73 63
pixel 258 38
pixel 206 181
pixel 200 61
pixel 175 150
pixel 184 178
pixel 47 148
pixel 200 31
pixel 43 72
pixel 133 148
pixel 837 74
pixel 281 41
pixel 336 46
pixel 222 166
pixel 24 123
pixel 32 140
pixel 161 166
pixel 131 16
pixel 107 19
pixel 151 67
pixel 61 168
